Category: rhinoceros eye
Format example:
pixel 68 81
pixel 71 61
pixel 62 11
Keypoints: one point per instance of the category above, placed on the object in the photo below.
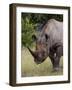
pixel 47 37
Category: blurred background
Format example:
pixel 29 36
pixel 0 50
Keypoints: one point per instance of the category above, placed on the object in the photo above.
pixel 33 23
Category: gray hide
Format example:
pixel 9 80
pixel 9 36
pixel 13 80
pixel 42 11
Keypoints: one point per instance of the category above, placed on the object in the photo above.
pixel 49 42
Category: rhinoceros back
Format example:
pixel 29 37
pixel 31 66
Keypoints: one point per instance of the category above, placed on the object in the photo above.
pixel 54 29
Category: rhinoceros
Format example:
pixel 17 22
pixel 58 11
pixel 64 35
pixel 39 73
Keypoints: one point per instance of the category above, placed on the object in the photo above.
pixel 49 43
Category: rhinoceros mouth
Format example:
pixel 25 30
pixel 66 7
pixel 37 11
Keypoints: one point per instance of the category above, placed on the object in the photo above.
pixel 38 60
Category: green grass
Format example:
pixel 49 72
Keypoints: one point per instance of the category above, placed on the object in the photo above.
pixel 30 68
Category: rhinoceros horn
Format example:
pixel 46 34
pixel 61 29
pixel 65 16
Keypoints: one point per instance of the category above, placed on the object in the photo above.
pixel 32 52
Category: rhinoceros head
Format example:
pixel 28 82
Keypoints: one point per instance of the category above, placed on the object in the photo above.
pixel 41 51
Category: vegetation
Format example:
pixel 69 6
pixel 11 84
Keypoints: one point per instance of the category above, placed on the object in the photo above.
pixel 30 68
pixel 32 22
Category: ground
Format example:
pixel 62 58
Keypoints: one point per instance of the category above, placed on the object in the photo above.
pixel 30 68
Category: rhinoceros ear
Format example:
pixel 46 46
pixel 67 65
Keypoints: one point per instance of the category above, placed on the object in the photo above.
pixel 47 37
pixel 34 37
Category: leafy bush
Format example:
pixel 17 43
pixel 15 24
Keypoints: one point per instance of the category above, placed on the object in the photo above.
pixel 27 31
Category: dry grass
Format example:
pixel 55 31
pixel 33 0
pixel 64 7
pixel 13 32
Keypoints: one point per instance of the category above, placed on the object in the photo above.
pixel 30 68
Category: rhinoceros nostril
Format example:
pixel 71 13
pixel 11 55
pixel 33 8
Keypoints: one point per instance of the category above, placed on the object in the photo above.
pixel 40 55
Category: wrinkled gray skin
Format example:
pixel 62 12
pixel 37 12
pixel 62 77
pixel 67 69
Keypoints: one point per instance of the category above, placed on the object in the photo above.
pixel 49 42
